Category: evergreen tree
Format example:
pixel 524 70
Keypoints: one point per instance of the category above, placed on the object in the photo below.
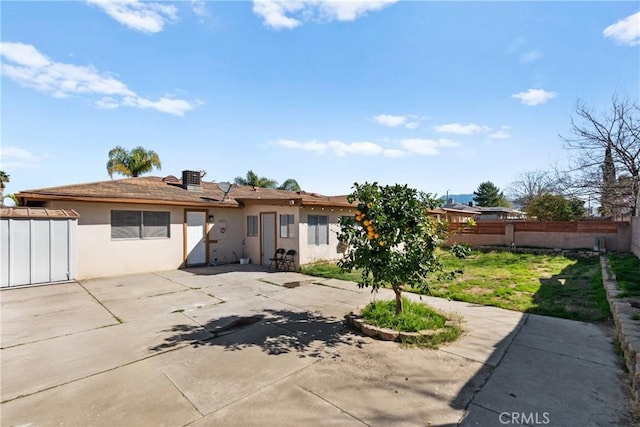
pixel 488 195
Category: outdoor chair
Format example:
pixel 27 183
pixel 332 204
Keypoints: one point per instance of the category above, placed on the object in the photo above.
pixel 276 260
pixel 289 260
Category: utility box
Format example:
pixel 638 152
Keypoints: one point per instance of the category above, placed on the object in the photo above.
pixel 599 244
pixel 37 245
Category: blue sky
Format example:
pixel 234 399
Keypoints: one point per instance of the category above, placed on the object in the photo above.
pixel 439 95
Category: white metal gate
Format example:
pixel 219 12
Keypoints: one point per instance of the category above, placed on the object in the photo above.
pixel 37 245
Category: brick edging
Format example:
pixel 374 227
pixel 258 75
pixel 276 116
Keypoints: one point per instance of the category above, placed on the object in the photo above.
pixel 627 330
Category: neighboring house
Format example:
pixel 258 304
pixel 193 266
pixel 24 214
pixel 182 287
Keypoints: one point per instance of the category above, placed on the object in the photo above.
pixel 488 214
pixel 452 216
pixel 147 224
pixel 500 214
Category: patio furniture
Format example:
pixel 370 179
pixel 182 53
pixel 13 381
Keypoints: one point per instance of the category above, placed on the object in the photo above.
pixel 289 261
pixel 276 260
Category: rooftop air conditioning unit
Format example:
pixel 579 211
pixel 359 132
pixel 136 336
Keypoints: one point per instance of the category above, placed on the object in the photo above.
pixel 192 180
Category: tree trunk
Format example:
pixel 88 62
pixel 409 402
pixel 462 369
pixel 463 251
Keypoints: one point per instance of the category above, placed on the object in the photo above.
pixel 397 289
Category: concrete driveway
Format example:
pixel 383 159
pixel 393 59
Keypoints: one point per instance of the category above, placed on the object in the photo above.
pixel 238 346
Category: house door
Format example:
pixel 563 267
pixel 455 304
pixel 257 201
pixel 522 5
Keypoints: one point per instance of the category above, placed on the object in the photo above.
pixel 267 237
pixel 195 244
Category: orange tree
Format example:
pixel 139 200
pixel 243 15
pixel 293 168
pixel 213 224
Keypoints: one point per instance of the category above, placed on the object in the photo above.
pixel 391 239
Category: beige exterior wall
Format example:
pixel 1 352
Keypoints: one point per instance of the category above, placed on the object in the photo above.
pixel 252 244
pixel 226 247
pixel 314 253
pixel 635 235
pixel 100 256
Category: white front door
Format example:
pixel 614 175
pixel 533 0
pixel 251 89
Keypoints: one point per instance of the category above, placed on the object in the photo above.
pixel 267 236
pixel 196 247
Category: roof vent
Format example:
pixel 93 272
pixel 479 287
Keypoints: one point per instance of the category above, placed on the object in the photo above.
pixel 191 180
pixel 170 179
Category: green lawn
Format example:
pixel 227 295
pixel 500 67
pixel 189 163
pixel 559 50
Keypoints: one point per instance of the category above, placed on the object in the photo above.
pixel 544 284
pixel 627 270
pixel 415 317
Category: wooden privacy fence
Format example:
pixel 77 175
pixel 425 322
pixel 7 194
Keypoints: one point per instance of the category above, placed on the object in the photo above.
pixel 615 236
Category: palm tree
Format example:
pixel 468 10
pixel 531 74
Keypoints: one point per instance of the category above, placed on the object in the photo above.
pixel 14 198
pixel 4 178
pixel 132 163
pixel 255 180
pixel 290 185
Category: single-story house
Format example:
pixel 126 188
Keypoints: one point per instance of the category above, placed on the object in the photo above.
pixel 481 213
pixel 453 216
pixel 500 214
pixel 151 223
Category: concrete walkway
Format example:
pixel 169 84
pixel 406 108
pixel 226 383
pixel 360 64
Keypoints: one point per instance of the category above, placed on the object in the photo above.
pixel 237 346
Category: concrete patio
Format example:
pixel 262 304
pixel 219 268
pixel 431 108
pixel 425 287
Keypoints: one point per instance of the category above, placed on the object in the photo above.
pixel 238 346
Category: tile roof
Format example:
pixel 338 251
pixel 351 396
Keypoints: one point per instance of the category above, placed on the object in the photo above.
pixel 157 190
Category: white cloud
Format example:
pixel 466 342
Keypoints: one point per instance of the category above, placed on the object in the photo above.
pixel 350 10
pixel 460 129
pixel 501 134
pixel 147 17
pixel 426 147
pixel 18 158
pixel 393 121
pixel 392 152
pixel 443 142
pixel 24 55
pixel 339 148
pixel 389 120
pixel 534 97
pixel 165 104
pixel 32 69
pixel 314 146
pixel 626 31
pixel 530 56
pixel 199 7
pixel 279 14
pixel 107 103
pixel 362 148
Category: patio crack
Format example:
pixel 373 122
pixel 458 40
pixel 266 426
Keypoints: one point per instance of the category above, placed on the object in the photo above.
pixel 100 302
pixel 334 405
pixel 184 395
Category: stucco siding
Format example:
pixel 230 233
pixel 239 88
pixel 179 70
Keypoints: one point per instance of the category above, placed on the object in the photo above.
pixel 252 245
pixel 100 256
pixel 225 235
pixel 310 253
